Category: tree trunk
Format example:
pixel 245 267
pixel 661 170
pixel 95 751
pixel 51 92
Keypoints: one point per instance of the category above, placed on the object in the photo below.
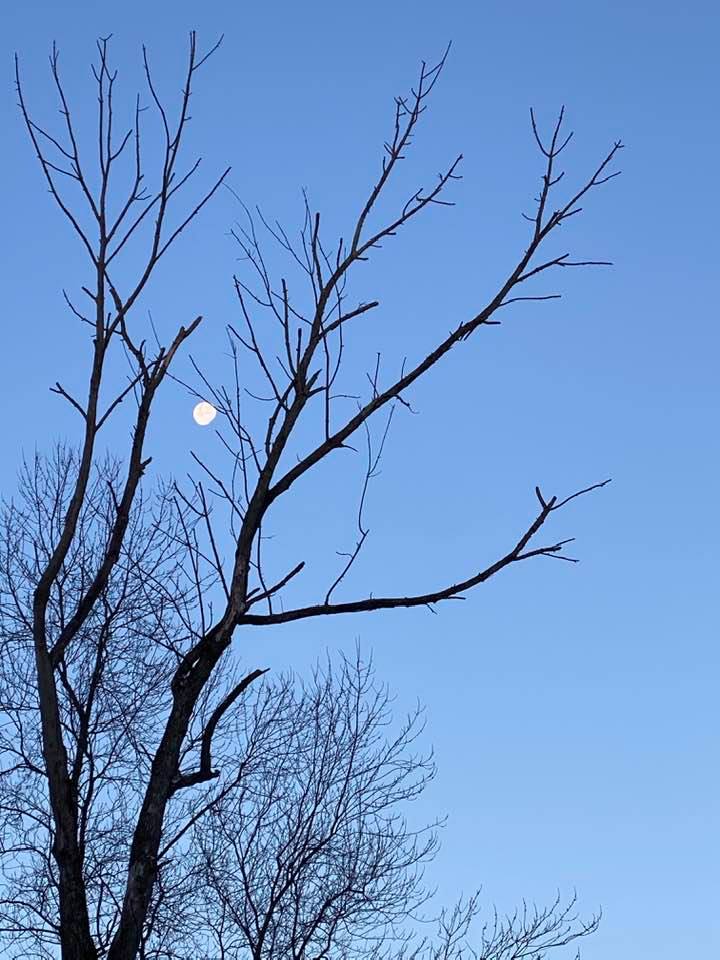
pixel 76 942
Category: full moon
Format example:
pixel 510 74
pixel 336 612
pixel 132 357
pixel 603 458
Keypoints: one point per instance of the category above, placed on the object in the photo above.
pixel 204 413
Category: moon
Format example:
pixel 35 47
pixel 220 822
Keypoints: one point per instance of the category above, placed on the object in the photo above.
pixel 204 413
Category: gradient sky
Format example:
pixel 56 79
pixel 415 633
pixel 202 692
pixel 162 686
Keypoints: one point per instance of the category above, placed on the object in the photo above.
pixel 570 707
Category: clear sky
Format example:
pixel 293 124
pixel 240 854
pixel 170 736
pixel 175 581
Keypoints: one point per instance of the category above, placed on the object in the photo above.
pixel 571 707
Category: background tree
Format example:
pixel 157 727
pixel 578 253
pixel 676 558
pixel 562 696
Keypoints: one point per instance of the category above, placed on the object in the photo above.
pixel 302 849
pixel 206 590
pixel 311 855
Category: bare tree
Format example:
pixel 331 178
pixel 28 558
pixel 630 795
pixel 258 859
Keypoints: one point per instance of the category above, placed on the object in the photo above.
pixel 112 684
pixel 200 600
pixel 302 849
pixel 312 856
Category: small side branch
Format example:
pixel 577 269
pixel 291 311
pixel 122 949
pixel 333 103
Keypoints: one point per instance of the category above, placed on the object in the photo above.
pixel 205 771
pixel 62 392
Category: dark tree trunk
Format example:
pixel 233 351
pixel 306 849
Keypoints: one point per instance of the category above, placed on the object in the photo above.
pixel 75 939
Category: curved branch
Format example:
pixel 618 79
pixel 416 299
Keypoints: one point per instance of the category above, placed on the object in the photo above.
pixel 452 592
pixel 205 771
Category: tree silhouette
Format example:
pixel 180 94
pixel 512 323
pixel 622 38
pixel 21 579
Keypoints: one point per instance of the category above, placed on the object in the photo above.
pixel 119 606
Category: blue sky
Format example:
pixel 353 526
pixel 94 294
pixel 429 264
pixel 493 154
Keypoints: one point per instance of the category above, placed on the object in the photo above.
pixel 570 707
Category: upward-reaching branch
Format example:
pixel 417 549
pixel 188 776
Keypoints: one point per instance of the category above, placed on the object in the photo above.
pixel 111 323
pixel 462 332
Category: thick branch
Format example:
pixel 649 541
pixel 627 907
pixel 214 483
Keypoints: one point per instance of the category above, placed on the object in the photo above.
pixel 451 592
pixel 462 332
pixel 136 468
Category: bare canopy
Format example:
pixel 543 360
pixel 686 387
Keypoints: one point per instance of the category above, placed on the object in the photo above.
pixel 190 593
